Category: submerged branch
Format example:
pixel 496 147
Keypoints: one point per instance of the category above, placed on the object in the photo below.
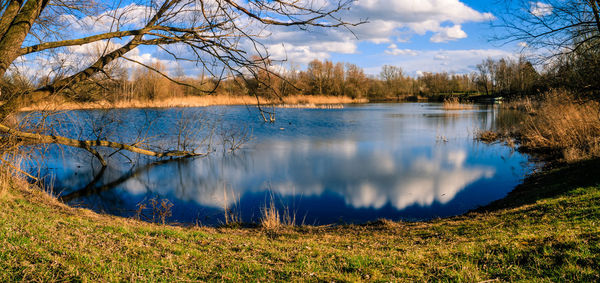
pixel 90 144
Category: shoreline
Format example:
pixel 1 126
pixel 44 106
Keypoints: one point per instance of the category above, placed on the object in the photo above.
pixel 545 228
pixel 535 232
pixel 304 101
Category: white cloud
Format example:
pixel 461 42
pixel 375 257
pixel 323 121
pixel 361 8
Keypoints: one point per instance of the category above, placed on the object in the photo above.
pixel 449 34
pixel 540 9
pixel 389 21
pixel 394 50
pixel 345 47
pixel 94 49
pixel 418 16
pixel 130 16
pixel 296 54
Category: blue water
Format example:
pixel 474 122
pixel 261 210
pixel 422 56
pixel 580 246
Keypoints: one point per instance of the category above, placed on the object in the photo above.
pixel 411 161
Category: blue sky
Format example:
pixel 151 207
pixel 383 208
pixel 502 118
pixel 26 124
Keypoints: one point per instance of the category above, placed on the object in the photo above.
pixel 416 35
pixel 422 54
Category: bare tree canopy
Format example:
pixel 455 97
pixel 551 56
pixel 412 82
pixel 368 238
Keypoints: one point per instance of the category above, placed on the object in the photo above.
pixel 564 35
pixel 211 32
pixel 556 26
pixel 218 36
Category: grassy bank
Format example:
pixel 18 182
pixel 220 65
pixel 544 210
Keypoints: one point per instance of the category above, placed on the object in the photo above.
pixel 546 229
pixel 193 101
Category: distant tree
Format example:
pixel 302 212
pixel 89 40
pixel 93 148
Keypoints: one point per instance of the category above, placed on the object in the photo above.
pixel 338 80
pixel 393 78
pixel 317 76
pixel 356 81
pixel 484 77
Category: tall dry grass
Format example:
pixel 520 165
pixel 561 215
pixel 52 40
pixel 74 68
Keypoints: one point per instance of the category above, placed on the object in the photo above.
pixel 232 212
pixel 5 178
pixel 563 124
pixel 11 173
pixel 453 103
pixel 191 101
pixel 272 219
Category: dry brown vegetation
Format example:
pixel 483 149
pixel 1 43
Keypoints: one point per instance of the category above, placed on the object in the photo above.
pixel 323 82
pixel 558 123
pixel 272 219
pixel 487 136
pixel 561 122
pixel 307 101
pixel 453 103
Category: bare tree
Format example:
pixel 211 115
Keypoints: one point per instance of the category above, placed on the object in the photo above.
pixel 220 36
pixel 556 26
pixel 566 35
pixel 393 77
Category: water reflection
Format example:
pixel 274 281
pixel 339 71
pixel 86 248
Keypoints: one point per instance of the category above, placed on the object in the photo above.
pixel 356 164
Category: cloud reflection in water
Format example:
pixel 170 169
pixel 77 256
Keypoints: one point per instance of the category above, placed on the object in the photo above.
pixel 357 164
pixel 368 178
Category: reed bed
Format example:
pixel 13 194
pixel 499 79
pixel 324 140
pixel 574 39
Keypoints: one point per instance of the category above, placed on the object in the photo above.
pixel 453 103
pixel 304 101
pixel 564 124
pixel 311 106
pixel 487 136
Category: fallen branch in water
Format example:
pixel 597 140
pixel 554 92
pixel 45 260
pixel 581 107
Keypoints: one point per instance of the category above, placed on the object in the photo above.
pixel 90 145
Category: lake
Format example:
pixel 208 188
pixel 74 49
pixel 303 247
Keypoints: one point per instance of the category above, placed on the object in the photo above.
pixel 407 161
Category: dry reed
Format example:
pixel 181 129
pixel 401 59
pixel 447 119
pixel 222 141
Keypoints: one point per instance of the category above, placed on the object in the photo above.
pixel 231 212
pixel 453 103
pixel 272 219
pixel 307 101
pixel 563 124
pixel 487 136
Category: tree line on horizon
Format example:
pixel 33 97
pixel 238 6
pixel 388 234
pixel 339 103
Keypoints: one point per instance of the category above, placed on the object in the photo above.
pixel 505 76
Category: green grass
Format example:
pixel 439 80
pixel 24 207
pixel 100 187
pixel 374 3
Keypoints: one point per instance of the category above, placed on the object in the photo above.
pixel 546 230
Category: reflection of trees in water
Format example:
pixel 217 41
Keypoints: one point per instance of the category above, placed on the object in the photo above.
pixel 478 117
pixel 447 122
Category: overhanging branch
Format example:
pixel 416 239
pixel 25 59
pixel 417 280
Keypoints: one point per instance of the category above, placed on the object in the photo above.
pixel 90 145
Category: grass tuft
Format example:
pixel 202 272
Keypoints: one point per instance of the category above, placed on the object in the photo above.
pixel 272 219
pixel 487 136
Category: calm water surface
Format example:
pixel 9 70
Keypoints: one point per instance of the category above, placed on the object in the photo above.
pixel 411 161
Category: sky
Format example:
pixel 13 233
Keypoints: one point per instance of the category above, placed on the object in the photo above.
pixel 416 35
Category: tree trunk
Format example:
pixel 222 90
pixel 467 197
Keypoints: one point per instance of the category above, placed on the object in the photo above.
pixel 9 15
pixel 595 4
pixel 17 31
